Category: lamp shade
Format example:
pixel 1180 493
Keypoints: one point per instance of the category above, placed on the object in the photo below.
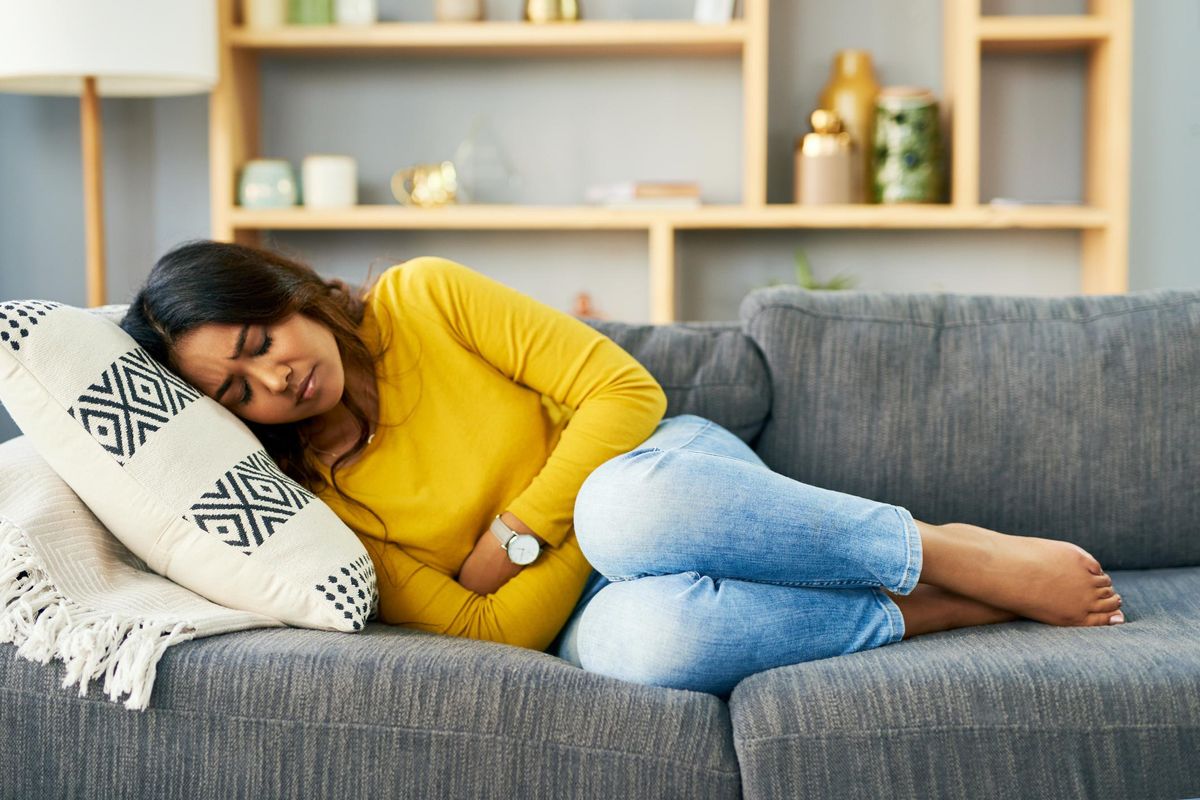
pixel 134 48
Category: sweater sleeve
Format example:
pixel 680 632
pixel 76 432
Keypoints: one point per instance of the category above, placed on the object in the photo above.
pixel 528 610
pixel 616 402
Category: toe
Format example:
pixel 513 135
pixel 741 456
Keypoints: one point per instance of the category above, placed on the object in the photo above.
pixel 1093 565
pixel 1102 580
pixel 1109 604
pixel 1100 618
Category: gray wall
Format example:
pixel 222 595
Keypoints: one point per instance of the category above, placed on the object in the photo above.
pixel 570 122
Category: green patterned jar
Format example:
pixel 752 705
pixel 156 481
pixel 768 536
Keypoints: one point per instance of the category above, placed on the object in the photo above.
pixel 310 12
pixel 908 147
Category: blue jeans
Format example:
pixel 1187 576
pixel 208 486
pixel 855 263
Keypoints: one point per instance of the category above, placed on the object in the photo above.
pixel 708 566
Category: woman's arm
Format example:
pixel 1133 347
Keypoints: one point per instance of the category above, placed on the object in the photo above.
pixel 488 567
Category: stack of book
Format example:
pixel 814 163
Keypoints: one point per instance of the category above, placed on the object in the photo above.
pixel 646 194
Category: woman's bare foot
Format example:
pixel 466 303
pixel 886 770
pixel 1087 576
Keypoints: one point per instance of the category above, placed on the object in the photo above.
pixel 928 608
pixel 1047 580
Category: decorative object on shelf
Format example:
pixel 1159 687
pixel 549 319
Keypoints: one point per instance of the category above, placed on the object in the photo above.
pixel 645 194
pixel 329 181
pixel 551 11
pixel 908 147
pixel 267 183
pixel 458 10
pixel 310 12
pixel 850 93
pixel 264 15
pixel 356 12
pixel 426 185
pixel 118 48
pixel 485 173
pixel 713 12
pixel 805 279
pixel 826 162
pixel 583 308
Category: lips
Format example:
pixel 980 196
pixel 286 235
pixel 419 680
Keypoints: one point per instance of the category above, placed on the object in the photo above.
pixel 304 387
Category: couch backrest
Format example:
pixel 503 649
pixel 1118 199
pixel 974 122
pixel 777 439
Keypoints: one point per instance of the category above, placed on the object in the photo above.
pixel 1073 417
pixel 711 369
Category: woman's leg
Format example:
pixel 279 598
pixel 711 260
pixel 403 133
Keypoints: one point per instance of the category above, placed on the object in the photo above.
pixel 695 497
pixel 693 631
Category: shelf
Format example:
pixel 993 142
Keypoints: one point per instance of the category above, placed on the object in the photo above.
pixel 1101 220
pixel 1040 33
pixel 522 39
pixel 780 215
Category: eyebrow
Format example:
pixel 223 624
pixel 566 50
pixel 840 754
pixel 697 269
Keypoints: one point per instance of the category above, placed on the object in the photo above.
pixel 237 351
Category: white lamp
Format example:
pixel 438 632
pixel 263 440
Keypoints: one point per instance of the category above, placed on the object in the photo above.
pixel 109 48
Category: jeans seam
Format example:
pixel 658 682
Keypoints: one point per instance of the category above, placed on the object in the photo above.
pixel 887 605
pixel 790 584
pixel 908 546
pixel 707 424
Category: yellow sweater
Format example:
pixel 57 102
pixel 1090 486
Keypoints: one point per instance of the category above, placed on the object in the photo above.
pixel 490 401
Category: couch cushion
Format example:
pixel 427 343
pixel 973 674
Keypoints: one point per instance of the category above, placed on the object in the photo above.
pixel 1015 709
pixel 711 369
pixel 387 712
pixel 1073 417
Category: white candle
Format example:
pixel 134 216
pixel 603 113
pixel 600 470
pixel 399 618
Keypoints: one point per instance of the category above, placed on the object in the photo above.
pixel 356 12
pixel 328 181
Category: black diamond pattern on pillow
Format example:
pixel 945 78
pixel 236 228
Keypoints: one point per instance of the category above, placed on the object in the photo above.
pixel 347 591
pixel 249 503
pixel 17 318
pixel 134 397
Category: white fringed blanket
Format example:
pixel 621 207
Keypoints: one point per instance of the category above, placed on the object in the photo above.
pixel 72 591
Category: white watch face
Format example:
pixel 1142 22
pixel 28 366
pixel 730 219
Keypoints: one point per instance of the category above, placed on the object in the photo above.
pixel 523 549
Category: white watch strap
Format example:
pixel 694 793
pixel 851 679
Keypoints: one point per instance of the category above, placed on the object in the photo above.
pixel 501 531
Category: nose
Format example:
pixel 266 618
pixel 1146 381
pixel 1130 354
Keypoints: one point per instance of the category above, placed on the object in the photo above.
pixel 275 377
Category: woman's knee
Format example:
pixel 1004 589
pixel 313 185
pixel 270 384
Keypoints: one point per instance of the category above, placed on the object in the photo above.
pixel 645 631
pixel 610 511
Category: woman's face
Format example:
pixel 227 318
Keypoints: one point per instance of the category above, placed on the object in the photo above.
pixel 259 371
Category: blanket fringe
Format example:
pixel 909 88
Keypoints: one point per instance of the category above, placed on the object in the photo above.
pixel 45 624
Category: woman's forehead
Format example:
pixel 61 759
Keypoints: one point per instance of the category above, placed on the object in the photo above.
pixel 212 337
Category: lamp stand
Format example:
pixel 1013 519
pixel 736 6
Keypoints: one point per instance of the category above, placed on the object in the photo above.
pixel 93 190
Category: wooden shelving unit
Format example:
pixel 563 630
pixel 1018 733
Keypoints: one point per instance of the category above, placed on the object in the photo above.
pixel 1103 221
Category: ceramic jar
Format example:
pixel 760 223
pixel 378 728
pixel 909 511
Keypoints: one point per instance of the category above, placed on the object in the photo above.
pixel 850 93
pixel 267 183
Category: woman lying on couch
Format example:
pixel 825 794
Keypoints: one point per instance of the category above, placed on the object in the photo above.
pixel 510 472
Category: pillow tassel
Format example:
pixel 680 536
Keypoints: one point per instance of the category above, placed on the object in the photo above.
pixel 90 642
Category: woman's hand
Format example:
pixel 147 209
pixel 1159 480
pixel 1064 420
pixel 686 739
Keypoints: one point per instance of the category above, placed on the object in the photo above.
pixel 488 567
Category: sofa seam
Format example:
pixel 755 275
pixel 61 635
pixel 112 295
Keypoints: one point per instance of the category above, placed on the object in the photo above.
pixel 924 729
pixel 374 726
pixel 765 308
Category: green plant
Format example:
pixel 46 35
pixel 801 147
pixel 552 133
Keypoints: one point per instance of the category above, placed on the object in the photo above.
pixel 804 277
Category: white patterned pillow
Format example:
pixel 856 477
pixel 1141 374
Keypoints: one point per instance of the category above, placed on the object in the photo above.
pixel 178 478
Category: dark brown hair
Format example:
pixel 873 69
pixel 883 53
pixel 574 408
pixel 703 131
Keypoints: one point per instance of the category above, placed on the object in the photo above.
pixel 204 281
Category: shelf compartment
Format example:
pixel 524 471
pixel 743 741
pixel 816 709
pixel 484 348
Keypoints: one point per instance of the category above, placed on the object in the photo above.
pixel 1041 33
pixel 522 39
pixel 779 215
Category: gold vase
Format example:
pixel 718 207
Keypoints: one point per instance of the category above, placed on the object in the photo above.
pixel 551 11
pixel 850 93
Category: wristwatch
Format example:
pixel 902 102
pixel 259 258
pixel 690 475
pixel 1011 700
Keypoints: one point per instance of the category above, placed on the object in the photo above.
pixel 521 547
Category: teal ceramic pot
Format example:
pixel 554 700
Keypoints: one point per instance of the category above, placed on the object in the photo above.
pixel 268 183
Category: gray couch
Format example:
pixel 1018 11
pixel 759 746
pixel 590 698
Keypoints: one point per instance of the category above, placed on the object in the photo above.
pixel 1072 417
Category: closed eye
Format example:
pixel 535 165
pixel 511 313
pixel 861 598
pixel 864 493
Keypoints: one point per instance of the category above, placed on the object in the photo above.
pixel 247 395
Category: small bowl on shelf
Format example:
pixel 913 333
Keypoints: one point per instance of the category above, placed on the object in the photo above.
pixel 267 183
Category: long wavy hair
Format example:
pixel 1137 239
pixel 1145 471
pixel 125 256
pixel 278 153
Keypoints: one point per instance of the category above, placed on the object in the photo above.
pixel 203 281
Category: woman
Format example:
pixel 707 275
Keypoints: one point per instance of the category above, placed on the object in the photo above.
pixel 661 551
